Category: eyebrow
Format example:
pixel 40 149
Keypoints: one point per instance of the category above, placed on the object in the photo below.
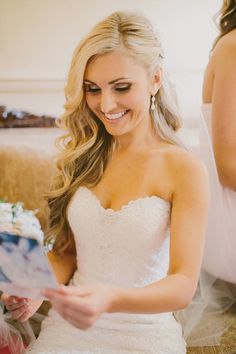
pixel 110 83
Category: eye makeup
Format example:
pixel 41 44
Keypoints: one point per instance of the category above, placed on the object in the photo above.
pixel 119 87
pixel 122 87
pixel 91 88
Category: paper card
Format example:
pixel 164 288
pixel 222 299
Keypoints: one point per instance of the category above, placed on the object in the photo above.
pixel 24 268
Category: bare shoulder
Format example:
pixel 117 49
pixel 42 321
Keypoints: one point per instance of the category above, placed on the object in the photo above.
pixel 187 171
pixel 174 170
pixel 222 63
pixel 180 158
pixel 228 40
pixel 225 50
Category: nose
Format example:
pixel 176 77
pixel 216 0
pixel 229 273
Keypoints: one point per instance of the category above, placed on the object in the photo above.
pixel 107 103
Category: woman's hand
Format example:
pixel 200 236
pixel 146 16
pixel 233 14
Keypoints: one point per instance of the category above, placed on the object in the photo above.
pixel 20 308
pixel 81 306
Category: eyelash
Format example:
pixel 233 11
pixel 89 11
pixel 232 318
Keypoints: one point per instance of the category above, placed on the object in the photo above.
pixel 97 89
pixel 123 88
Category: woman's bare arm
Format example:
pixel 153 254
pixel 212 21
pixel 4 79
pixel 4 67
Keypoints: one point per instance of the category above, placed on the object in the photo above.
pixel 188 223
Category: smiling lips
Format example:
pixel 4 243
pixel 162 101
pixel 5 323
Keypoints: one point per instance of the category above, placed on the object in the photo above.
pixel 115 116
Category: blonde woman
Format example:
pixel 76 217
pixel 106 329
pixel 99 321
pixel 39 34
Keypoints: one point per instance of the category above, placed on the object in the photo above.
pixel 128 206
pixel 219 97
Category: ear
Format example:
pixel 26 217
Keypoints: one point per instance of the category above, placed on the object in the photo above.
pixel 156 81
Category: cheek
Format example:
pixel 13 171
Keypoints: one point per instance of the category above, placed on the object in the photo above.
pixel 140 101
pixel 92 101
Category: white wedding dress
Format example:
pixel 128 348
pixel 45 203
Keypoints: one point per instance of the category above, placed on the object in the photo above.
pixel 127 248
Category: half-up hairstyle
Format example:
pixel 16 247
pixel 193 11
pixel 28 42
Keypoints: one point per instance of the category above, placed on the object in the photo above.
pixel 87 147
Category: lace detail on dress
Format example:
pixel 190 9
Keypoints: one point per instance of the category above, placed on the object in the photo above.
pixel 125 247
pixel 128 248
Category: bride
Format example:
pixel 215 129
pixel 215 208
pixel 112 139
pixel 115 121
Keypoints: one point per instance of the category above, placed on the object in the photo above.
pixel 128 206
pixel 219 93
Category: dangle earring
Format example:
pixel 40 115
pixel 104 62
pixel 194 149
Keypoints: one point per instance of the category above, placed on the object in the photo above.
pixel 153 99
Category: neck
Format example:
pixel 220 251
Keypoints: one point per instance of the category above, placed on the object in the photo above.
pixel 142 137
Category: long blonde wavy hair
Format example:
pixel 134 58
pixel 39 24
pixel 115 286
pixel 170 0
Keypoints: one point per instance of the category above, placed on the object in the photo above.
pixel 226 19
pixel 87 147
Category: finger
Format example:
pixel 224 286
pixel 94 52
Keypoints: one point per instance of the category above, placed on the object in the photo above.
pixel 74 290
pixel 18 313
pixel 12 300
pixel 78 320
pixel 13 307
pixel 25 316
pixel 65 300
pixel 6 299
pixel 13 303
pixel 74 303
pixel 49 292
pixel 16 299
pixel 84 320
pixel 54 293
pixel 67 290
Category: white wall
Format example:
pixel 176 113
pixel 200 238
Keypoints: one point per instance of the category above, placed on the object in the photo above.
pixel 37 39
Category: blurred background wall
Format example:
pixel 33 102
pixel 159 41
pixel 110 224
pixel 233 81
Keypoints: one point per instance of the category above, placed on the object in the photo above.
pixel 37 39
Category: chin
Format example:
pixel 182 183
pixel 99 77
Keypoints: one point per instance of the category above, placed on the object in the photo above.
pixel 116 132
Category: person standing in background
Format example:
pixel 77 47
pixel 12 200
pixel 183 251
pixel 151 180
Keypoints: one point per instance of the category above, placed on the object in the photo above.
pixel 219 91
pixel 219 109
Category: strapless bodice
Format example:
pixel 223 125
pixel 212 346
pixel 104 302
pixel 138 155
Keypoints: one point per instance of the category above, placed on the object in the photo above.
pixel 128 247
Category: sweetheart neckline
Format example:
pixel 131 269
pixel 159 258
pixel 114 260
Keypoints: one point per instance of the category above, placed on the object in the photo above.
pixel 126 205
